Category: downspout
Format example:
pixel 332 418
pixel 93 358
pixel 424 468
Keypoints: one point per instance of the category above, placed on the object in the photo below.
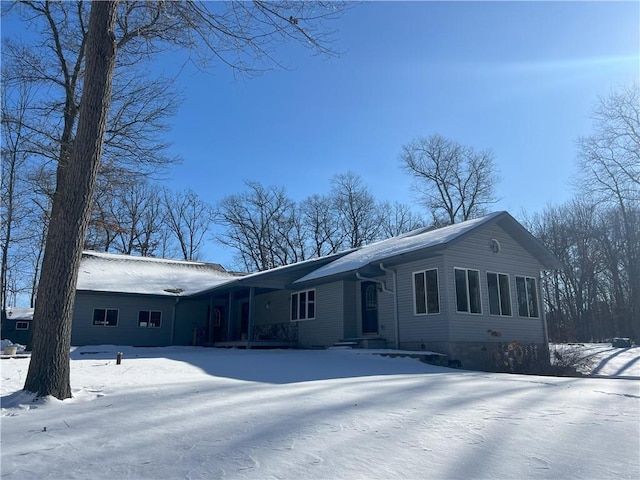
pixel 543 309
pixel 230 317
pixel 250 320
pixel 395 302
pixel 383 288
pixel 173 319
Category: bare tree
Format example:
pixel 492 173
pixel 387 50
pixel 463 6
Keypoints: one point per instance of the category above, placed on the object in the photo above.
pixel 14 209
pixel 609 162
pixel 321 225
pixel 453 181
pixel 188 218
pixel 358 213
pixel 398 218
pixel 258 224
pixel 49 370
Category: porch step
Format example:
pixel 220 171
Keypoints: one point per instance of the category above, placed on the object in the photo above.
pixel 362 342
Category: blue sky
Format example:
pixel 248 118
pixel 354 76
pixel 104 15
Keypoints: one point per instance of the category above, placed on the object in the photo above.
pixel 519 78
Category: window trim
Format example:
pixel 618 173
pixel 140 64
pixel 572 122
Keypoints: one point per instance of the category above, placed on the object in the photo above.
pixel 149 325
pixel 468 290
pixel 497 274
pixel 426 294
pixel 526 292
pixel 296 305
pixel 20 323
pixel 105 324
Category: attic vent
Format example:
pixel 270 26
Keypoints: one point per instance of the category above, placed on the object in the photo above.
pixel 177 291
pixel 494 245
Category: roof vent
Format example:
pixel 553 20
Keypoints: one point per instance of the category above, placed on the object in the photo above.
pixel 177 291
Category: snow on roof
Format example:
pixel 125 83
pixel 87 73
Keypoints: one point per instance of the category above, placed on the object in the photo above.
pixel 19 313
pixel 106 272
pixel 408 242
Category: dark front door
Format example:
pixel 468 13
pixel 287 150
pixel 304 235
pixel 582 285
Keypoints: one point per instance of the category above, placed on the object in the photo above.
pixel 244 321
pixel 369 294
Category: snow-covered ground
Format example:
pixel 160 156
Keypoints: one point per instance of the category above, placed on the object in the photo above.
pixel 181 412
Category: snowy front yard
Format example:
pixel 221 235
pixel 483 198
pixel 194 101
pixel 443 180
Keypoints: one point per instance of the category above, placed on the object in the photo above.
pixel 184 412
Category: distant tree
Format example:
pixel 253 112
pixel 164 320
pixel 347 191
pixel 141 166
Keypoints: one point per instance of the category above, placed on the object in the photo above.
pixel 127 218
pixel 609 162
pixel 321 225
pixel 453 181
pixel 358 212
pixel 186 216
pixel 15 194
pixel 398 218
pixel 258 224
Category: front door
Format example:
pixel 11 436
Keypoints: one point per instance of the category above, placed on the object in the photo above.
pixel 369 295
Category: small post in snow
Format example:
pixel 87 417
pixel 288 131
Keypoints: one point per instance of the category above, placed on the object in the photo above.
pixel 118 358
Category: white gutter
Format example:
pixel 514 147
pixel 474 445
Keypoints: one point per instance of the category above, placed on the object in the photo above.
pixel 383 288
pixel 395 302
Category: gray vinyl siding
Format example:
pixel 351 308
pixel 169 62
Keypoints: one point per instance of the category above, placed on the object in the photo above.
pixel 350 310
pixel 273 307
pixel 191 315
pixel 425 327
pixel 513 260
pixel 328 326
pixel 127 332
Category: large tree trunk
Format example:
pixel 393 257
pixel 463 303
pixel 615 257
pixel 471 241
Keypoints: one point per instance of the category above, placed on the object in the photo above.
pixel 49 368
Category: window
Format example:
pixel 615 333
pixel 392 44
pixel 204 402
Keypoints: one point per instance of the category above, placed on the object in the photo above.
pixel 527 297
pixel 22 325
pixel 371 298
pixel 150 319
pixel 467 290
pixel 107 317
pixel 425 292
pixel 217 317
pixel 303 305
pixel 499 296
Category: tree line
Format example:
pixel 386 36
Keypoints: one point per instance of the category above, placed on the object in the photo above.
pixel 595 295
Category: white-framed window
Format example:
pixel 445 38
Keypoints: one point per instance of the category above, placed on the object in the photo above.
pixel 426 298
pixel 467 290
pixel 527 297
pixel 303 305
pixel 149 318
pixel 105 317
pixel 499 294
pixel 22 325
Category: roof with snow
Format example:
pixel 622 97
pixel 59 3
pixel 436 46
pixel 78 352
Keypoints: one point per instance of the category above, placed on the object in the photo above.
pixel 107 272
pixel 425 239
